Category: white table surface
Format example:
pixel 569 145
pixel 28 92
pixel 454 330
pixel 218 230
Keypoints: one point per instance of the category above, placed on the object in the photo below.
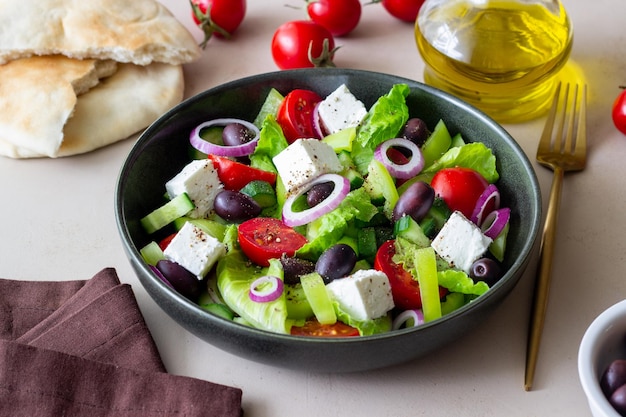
pixel 58 224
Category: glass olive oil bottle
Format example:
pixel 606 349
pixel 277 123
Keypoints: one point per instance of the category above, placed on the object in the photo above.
pixel 501 56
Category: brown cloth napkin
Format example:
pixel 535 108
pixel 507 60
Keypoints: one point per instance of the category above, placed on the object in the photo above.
pixel 82 348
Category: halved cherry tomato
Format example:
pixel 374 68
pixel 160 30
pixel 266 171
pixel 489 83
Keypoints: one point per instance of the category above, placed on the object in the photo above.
pixel 265 238
pixel 295 114
pixel 316 329
pixel 164 243
pixel 404 288
pixel 459 188
pixel 235 175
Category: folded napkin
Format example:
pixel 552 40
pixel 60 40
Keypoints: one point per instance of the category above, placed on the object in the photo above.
pixel 82 348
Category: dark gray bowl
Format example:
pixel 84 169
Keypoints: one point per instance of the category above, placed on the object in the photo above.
pixel 162 150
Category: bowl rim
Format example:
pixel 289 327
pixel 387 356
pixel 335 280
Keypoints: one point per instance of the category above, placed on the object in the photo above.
pixel 590 346
pixel 182 302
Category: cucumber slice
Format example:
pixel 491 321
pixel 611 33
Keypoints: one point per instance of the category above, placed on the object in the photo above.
pixel 379 184
pixel 219 310
pixel 152 253
pixel 212 227
pixel 298 307
pixel 409 229
pixel 270 106
pixel 366 242
pixel 426 265
pixel 498 246
pixel 437 144
pixel 167 213
pixel 318 297
pixel 261 191
pixel 342 140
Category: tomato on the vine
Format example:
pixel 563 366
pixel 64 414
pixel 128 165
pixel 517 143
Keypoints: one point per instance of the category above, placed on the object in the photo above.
pixel 619 111
pixel 303 44
pixel 217 17
pixel 460 188
pixel 295 114
pixel 340 17
pixel 405 10
pixel 265 238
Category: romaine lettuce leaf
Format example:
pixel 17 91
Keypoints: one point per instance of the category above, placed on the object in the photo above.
pixel 459 281
pixel 475 155
pixel 329 228
pixel 366 327
pixel 271 142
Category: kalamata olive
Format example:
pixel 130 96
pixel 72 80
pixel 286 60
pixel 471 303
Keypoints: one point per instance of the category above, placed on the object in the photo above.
pixel 618 400
pixel 487 270
pixel 336 262
pixel 236 134
pixel 183 281
pixel 294 268
pixel 416 131
pixel 613 377
pixel 415 201
pixel 319 192
pixel 235 206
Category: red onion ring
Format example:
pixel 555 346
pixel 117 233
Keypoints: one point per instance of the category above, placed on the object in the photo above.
pixel 220 150
pixel 268 294
pixel 495 222
pixel 317 122
pixel 408 316
pixel 400 171
pixel 160 275
pixel 490 193
pixel 341 189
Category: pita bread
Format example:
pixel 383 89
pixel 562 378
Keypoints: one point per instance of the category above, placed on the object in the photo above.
pixel 136 31
pixel 38 95
pixel 116 108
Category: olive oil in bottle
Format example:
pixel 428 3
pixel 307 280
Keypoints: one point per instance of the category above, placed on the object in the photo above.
pixel 501 56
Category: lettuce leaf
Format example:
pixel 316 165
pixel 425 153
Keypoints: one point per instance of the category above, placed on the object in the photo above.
pixel 329 228
pixel 366 327
pixel 383 121
pixel 271 142
pixel 475 155
pixel 234 277
pixel 460 282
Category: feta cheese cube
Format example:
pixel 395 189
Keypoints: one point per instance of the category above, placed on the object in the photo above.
pixel 200 181
pixel 305 160
pixel 460 242
pixel 341 110
pixel 364 295
pixel 195 250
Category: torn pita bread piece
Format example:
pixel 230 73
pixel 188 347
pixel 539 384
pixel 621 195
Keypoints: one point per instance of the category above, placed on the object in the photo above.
pixel 115 109
pixel 38 95
pixel 137 31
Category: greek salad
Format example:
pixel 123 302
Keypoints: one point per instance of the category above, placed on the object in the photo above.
pixel 322 217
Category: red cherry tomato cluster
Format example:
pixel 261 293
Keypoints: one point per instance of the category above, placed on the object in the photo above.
pixel 299 43
pixel 619 111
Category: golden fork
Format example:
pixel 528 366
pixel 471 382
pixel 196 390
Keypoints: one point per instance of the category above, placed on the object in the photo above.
pixel 564 151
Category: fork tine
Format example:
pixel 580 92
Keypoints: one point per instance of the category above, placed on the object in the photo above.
pixel 545 143
pixel 581 135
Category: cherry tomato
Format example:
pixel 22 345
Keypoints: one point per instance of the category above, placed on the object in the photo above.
pixel 619 112
pixel 459 188
pixel 405 10
pixel 340 17
pixel 295 114
pixel 404 288
pixel 303 44
pixel 219 17
pixel 164 243
pixel 265 238
pixel 235 175
pixel 316 329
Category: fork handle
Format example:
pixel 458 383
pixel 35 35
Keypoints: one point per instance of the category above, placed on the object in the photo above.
pixel 544 274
